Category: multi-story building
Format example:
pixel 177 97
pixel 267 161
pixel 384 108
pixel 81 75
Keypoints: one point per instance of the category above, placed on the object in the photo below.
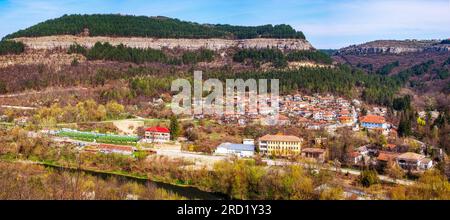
pixel 280 145
pixel 157 135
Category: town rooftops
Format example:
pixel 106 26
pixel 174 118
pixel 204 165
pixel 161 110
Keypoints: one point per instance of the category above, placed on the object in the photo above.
pixel 158 129
pixel 410 156
pixel 345 118
pixel 237 147
pixel 279 137
pixel 375 119
pixel 344 112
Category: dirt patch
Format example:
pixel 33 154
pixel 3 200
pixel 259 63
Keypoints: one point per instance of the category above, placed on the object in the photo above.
pixel 129 126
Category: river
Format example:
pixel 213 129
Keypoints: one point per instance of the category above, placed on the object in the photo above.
pixel 189 192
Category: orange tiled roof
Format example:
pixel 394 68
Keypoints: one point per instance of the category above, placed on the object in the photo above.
pixel 386 156
pixel 373 119
pixel 278 137
pixel 345 118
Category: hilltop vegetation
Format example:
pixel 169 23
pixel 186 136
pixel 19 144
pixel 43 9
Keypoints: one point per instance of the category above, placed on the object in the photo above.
pixel 143 26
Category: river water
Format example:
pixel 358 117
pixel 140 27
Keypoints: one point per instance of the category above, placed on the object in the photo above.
pixel 191 193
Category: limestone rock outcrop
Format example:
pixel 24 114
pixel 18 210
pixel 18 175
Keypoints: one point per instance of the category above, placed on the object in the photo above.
pixel 64 41
pixel 395 47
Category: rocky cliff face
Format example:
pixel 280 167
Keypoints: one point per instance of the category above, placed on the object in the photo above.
pixel 394 47
pixel 46 57
pixel 64 41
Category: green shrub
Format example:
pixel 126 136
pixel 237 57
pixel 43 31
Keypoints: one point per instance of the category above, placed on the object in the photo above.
pixel 11 47
pixel 368 178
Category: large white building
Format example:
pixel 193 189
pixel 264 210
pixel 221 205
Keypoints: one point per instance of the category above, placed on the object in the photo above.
pixel 413 161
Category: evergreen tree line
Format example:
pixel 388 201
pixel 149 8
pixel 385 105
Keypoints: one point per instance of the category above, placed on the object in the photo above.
pixel 257 56
pixel 263 31
pixel 402 103
pixel 143 26
pixel 386 69
pixel 106 51
pixel 278 58
pixel 316 56
pixel 441 73
pixel 202 55
pixel 11 47
pixel 368 67
pixel 419 69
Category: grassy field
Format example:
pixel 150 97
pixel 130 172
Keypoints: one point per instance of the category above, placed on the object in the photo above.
pixel 101 138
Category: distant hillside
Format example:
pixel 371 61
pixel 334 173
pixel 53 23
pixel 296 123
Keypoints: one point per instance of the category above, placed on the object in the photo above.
pixel 158 27
pixel 395 47
pixel 421 66
pixel 329 52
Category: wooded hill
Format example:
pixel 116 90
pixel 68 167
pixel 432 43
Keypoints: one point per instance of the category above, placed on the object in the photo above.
pixel 143 26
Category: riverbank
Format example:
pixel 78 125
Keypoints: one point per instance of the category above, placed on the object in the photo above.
pixel 184 190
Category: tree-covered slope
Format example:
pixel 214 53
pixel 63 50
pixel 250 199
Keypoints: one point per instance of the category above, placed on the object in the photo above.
pixel 142 26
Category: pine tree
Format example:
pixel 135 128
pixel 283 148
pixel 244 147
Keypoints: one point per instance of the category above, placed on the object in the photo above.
pixel 404 127
pixel 174 128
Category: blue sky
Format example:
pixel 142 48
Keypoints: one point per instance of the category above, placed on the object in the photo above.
pixel 327 24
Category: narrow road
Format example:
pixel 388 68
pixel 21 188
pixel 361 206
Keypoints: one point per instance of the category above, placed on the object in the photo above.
pixel 18 107
pixel 51 90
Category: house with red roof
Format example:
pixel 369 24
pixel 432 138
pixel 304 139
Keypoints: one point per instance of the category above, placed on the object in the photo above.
pixel 373 121
pixel 157 134
pixel 384 158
